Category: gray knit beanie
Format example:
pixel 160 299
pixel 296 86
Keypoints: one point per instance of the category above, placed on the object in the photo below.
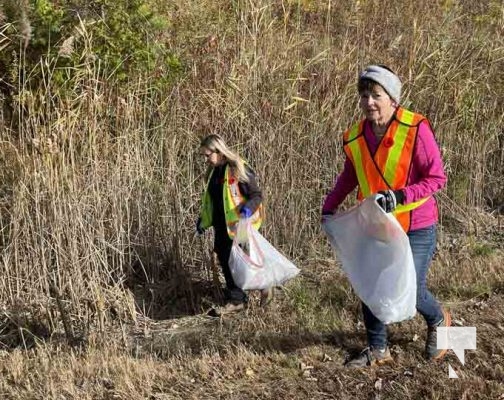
pixel 387 79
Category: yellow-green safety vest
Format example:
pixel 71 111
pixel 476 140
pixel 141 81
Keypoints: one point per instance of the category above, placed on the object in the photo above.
pixel 233 200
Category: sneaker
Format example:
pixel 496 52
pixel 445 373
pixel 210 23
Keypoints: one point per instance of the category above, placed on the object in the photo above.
pixel 229 308
pixel 266 296
pixel 235 295
pixel 370 357
pixel 431 350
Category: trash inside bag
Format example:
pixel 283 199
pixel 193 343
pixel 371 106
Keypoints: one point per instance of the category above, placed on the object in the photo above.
pixel 255 263
pixel 376 256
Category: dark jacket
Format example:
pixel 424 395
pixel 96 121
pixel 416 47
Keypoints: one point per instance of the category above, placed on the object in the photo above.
pixel 250 190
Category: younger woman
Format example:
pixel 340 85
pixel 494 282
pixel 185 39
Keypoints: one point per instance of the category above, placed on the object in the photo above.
pixel 231 193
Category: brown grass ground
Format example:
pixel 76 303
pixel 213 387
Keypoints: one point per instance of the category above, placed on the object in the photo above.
pixel 99 190
pixel 292 350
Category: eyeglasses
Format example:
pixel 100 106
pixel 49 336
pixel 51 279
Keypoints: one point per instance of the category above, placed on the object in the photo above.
pixel 208 155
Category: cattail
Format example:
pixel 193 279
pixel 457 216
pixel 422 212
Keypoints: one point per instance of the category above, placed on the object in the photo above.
pixel 25 28
pixel 66 49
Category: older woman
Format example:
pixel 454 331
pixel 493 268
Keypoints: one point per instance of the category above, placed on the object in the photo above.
pixel 392 151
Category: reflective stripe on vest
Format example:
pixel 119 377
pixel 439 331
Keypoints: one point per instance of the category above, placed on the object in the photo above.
pixel 389 167
pixel 233 200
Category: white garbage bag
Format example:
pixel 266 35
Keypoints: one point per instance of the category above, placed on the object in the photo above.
pixel 255 264
pixel 376 256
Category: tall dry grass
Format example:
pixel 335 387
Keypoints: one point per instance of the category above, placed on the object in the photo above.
pixel 100 184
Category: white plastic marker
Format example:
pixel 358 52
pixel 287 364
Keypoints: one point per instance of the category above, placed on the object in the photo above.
pixel 457 339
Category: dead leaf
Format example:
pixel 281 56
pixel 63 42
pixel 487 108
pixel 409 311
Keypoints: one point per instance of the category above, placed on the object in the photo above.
pixel 304 366
pixel 326 358
pixel 378 384
pixel 249 372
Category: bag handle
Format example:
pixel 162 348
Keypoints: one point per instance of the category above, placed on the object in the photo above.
pixel 245 234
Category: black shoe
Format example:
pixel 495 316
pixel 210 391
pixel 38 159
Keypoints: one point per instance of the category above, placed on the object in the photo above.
pixel 370 357
pixel 235 295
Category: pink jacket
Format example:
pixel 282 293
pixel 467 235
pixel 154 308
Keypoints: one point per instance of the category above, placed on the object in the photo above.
pixel 425 178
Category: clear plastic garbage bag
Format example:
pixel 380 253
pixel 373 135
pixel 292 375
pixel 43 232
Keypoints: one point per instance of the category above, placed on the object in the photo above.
pixel 255 264
pixel 376 256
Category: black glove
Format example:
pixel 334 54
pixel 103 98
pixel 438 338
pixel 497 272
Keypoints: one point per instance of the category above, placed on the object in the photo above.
pixel 390 199
pixel 199 228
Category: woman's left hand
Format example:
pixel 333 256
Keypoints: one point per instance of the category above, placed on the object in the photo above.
pixel 245 212
pixel 390 199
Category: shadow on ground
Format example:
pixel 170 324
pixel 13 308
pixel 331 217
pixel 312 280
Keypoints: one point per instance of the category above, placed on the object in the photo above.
pixel 177 298
pixel 164 288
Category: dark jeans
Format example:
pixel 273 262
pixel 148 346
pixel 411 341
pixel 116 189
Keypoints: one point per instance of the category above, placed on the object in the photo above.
pixel 423 244
pixel 222 246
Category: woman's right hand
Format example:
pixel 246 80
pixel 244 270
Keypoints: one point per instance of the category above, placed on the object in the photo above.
pixel 326 214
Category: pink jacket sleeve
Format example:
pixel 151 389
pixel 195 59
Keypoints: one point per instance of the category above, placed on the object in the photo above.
pixel 427 174
pixel 345 183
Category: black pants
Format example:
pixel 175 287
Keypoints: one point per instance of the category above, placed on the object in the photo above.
pixel 222 247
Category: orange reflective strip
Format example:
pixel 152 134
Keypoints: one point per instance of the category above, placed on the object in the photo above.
pixel 353 132
pixel 404 162
pixel 393 160
pixel 403 165
pixel 232 199
pixel 355 149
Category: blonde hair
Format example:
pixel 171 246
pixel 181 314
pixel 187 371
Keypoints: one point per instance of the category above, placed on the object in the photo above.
pixel 216 144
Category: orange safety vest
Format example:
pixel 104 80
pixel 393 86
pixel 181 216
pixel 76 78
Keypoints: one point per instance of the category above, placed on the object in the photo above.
pixel 233 200
pixel 389 167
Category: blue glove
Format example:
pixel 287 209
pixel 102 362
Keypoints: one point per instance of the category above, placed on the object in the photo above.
pixel 245 212
pixel 199 228
pixel 390 199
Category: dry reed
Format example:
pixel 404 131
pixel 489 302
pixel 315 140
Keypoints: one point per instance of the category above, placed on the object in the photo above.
pixel 100 186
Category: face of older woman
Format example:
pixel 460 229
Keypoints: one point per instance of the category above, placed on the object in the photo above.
pixel 377 105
